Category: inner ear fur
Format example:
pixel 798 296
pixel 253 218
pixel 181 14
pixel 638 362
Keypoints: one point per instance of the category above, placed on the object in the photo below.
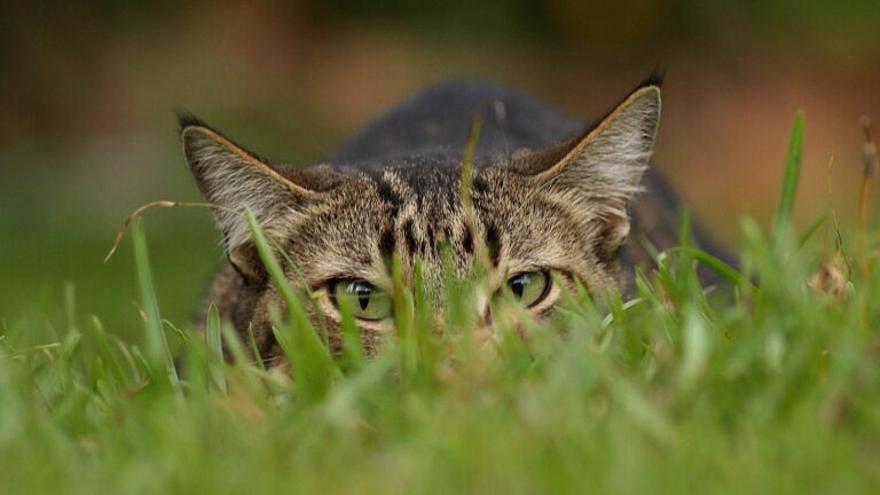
pixel 232 179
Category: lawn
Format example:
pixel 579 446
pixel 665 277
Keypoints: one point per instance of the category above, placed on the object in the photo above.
pixel 771 385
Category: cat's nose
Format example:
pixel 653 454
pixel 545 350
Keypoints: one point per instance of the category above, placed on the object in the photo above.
pixel 482 326
pixel 484 329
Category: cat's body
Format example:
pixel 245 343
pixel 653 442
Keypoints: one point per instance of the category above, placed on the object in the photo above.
pixel 547 197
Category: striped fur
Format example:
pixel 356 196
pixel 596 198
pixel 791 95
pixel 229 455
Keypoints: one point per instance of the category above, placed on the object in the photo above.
pixel 545 197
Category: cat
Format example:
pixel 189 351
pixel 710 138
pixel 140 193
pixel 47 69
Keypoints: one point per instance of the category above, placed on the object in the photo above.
pixel 548 195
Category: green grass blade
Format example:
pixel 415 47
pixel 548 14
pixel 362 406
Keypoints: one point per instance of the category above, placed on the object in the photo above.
pixel 721 268
pixel 255 349
pixel 105 349
pixel 214 340
pixel 811 230
pixel 233 344
pixel 404 322
pixel 313 367
pixel 159 354
pixel 790 176
pixel 353 347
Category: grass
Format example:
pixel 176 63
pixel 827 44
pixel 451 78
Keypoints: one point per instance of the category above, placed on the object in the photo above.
pixel 771 387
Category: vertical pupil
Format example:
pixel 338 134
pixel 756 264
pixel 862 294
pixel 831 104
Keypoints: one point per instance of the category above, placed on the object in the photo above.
pixel 363 293
pixel 517 286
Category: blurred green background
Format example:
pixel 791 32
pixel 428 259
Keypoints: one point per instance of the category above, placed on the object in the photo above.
pixel 88 91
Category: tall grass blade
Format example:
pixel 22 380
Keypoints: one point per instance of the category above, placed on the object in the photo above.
pixel 404 322
pixel 811 230
pixel 158 353
pixel 352 344
pixel 312 366
pixel 233 344
pixel 717 265
pixel 254 348
pixel 105 349
pixel 790 177
pixel 214 340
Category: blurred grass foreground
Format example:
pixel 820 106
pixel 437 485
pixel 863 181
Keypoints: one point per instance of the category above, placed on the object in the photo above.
pixel 770 389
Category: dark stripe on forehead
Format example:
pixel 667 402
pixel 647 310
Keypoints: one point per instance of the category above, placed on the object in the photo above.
pixel 493 243
pixel 436 182
pixel 479 185
pixel 431 240
pixel 387 194
pixel 386 243
pixel 468 241
pixel 410 237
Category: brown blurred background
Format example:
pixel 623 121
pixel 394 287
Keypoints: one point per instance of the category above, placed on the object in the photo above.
pixel 88 92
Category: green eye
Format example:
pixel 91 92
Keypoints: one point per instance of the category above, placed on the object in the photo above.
pixel 364 300
pixel 529 288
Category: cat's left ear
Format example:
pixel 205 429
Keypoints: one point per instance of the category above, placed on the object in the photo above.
pixel 232 179
pixel 600 171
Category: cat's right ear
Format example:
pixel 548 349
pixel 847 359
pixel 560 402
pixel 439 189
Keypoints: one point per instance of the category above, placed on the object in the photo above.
pixel 599 171
pixel 232 179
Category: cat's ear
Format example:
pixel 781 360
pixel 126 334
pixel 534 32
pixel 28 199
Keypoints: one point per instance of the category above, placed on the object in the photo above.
pixel 232 179
pixel 601 170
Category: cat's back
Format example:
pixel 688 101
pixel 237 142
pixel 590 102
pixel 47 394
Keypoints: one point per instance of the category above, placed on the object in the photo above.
pixel 440 117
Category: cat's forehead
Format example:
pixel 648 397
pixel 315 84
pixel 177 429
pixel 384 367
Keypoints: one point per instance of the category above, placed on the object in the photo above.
pixel 408 206
pixel 433 177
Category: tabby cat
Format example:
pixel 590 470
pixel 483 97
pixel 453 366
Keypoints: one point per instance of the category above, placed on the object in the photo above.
pixel 549 195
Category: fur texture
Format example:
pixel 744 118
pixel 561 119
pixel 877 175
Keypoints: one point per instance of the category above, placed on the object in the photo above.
pixel 548 194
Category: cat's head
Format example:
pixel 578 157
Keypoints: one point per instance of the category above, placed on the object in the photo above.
pixel 560 210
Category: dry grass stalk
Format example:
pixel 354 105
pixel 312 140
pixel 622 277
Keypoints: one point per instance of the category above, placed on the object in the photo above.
pixel 869 171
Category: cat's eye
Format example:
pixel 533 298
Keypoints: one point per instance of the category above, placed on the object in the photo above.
pixel 529 288
pixel 363 299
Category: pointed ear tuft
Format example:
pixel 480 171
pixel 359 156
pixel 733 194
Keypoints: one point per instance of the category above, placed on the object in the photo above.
pixel 655 79
pixel 186 119
pixel 233 179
